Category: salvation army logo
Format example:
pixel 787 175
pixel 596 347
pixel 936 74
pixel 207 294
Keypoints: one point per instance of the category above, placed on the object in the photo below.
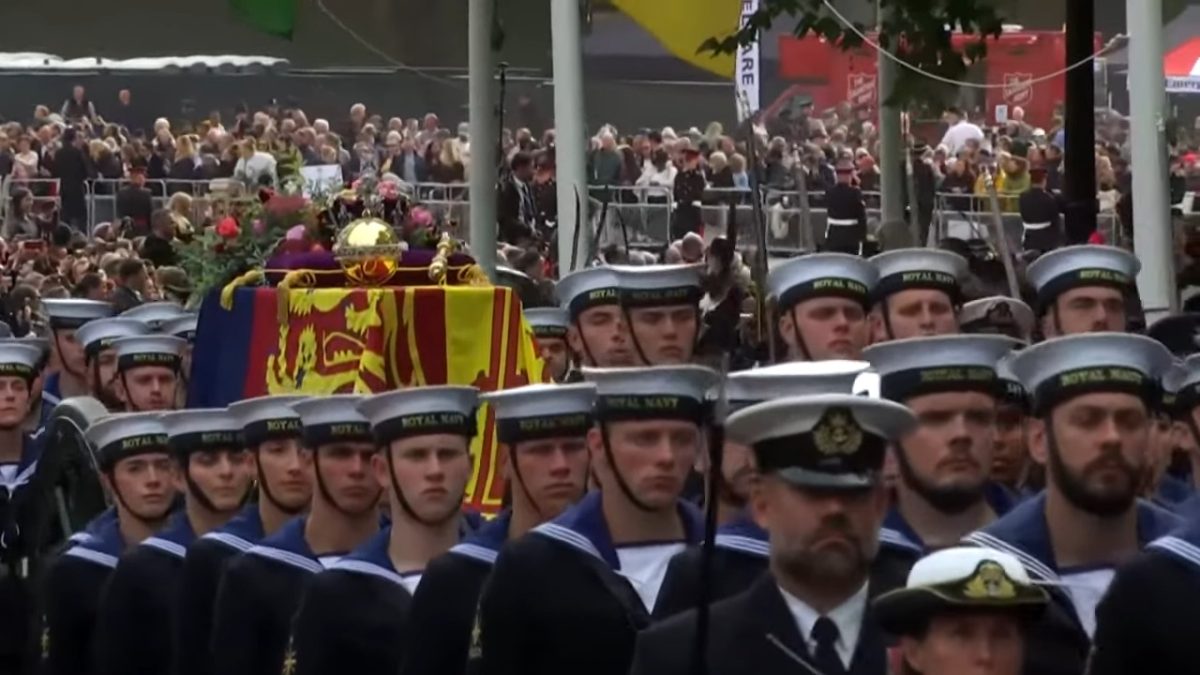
pixel 1018 88
pixel 862 89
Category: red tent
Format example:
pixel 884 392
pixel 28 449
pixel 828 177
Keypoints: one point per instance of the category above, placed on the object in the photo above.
pixel 1182 67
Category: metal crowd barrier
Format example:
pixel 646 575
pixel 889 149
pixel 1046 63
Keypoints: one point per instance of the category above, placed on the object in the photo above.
pixel 207 195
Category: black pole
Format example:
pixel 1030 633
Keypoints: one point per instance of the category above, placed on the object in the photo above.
pixel 502 164
pixel 1079 163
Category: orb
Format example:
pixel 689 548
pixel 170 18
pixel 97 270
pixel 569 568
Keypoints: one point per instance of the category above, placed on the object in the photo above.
pixel 368 251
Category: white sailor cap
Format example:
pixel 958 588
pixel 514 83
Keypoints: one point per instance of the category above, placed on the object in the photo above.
pixel 796 378
pixel 39 343
pixel 587 288
pixel 652 393
pixel 183 326
pixel 909 268
pixel 1080 266
pixel 997 315
pixel 658 285
pixel 19 360
pixel 333 419
pixel 155 314
pixel 820 275
pixel 941 363
pixel 265 418
pixel 116 437
pixel 964 577
pixel 97 335
pixel 1065 367
pixel 822 441
pixel 201 430
pixel 148 350
pixel 421 411
pixel 548 322
pixel 67 313
pixel 540 411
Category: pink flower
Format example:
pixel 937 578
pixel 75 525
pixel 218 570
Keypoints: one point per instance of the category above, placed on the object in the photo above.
pixel 258 226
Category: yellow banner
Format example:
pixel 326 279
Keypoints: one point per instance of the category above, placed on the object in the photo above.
pixel 681 26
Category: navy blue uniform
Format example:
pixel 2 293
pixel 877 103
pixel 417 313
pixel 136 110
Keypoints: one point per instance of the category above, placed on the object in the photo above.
pixel 901 540
pixel 18 555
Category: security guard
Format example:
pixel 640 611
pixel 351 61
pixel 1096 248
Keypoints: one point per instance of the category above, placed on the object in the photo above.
pixel 261 588
pixel 598 333
pixel 945 490
pixel 661 308
pixel 550 326
pixel 997 315
pixel 846 221
pixel 542 432
pixel 354 616
pixel 821 497
pixel 822 300
pixel 1083 289
pixel 271 434
pixel 1092 396
pixel 570 596
pixel 96 337
pixel 919 293
pixel 155 314
pixel 70 372
pixel 135 464
pixel 183 326
pixel 148 371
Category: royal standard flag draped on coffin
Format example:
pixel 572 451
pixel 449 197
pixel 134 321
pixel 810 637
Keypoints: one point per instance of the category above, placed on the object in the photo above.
pixel 369 340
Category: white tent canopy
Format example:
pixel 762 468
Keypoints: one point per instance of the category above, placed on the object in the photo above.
pixel 40 61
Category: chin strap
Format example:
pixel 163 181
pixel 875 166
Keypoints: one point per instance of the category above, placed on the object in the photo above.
pixel 404 503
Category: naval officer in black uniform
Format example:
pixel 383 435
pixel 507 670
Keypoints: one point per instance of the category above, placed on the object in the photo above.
pixel 271 434
pixel 1041 215
pixel 1092 398
pixel 542 433
pixel 148 371
pixel 570 596
pixel 821 497
pixel 598 333
pixel 133 624
pixel 550 325
pixel 96 338
pixel 822 301
pixel 1083 289
pixel 919 293
pixel 846 219
pixel 661 304
pixel 261 588
pixel 354 616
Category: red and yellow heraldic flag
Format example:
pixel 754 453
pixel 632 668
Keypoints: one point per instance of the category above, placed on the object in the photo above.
pixel 370 340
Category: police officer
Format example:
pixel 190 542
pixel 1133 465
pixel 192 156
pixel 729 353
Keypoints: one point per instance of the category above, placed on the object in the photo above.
pixel 1092 396
pixel 96 337
pixel 155 314
pixel 542 433
pixel 148 371
pixel 945 490
pixel 354 616
pixel 919 293
pixel 137 606
pixel 598 334
pixel 183 326
pixel 70 372
pixel 661 307
pixel 1040 215
pixel 846 221
pixel 550 326
pixel 1083 289
pixel 271 434
pixel 261 588
pixel 822 300
pixel 581 586
pixel 997 315
pixel 821 497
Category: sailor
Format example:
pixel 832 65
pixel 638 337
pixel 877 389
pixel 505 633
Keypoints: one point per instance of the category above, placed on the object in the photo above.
pixel 261 588
pixel 598 334
pixel 964 610
pixel 550 326
pixel 945 490
pixel 822 301
pixel 1158 485
pixel 919 293
pixel 135 465
pixel 542 432
pixel 155 314
pixel 271 434
pixel 183 326
pixel 661 308
pixel 354 616
pixel 740 553
pixel 997 315
pixel 100 360
pixel 70 372
pixel 1040 215
pixel 821 497
pixel 147 371
pixel 1092 396
pixel 133 622
pixel 1083 289
pixel 1010 452
pixel 581 586
pixel 19 503
pixel 40 406
pixel 846 222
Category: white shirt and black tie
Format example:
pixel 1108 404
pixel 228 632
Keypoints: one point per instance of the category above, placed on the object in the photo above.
pixel 832 637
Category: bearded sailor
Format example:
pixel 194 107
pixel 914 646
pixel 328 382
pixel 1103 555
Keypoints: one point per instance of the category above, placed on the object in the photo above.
pixel 822 301
pixel 661 304
pixel 598 334
pixel 67 360
pixel 96 337
pixel 1083 289
pixel 550 326
pixel 542 432
pixel 919 293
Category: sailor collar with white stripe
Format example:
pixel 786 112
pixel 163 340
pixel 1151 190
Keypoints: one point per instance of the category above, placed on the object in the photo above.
pixel 743 535
pixel 583 528
pixel 1183 544
pixel 372 559
pixel 94 525
pixel 242 531
pixel 289 547
pixel 175 537
pixel 31 452
pixel 102 546
pixel 896 533
pixel 484 544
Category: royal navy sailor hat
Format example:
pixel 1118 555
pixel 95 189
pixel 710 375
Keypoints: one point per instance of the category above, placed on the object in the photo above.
pixel 539 411
pixel 997 315
pixel 1065 367
pixel 658 285
pixel 155 314
pixel 1183 379
pixel 1081 266
pixel 910 268
pixel 201 430
pixel 652 393
pixel 825 441
pixel 548 322
pixel 19 360
pixel 333 419
pixel 421 411
pixel 797 378
pixel 956 579
pixel 266 418
pixel 1012 391
pixel 1171 382
pixel 39 343
pixel 819 275
pixel 67 313
pixel 940 363
pixel 97 335
pixel 587 288
pixel 117 437
pixel 148 350
pixel 183 326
